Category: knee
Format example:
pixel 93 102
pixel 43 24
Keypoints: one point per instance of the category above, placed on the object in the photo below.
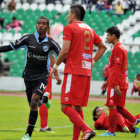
pixel 63 106
pixel 34 105
pixel 78 108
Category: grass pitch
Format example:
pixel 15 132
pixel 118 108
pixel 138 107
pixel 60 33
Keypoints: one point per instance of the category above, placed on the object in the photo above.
pixel 14 113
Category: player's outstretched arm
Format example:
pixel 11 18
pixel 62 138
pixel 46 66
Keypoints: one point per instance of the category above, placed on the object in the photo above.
pixel 5 48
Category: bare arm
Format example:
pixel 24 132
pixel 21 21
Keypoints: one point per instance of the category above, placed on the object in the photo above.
pixel 57 77
pixel 62 55
pixel 63 52
pixel 52 59
pixel 101 49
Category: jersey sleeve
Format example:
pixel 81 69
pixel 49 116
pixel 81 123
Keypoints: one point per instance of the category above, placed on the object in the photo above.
pixel 97 39
pixel 56 48
pixel 19 42
pixel 67 33
pixel 99 122
pixel 118 58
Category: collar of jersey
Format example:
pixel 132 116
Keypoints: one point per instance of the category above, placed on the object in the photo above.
pixel 37 38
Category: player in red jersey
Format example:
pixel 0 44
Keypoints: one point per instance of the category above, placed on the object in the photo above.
pixel 43 110
pixel 105 74
pixel 136 85
pixel 102 121
pixel 117 83
pixel 78 40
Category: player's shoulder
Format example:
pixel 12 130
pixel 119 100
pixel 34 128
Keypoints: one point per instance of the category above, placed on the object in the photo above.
pixel 68 26
pixel 52 41
pixel 28 36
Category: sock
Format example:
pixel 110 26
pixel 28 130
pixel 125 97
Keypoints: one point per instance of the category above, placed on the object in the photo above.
pixel 32 121
pixel 76 130
pixel 43 112
pixel 75 118
pixel 132 91
pixel 112 119
pixel 120 121
pixel 126 114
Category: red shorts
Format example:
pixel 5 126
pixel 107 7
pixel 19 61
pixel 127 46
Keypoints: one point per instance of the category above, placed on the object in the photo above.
pixel 115 100
pixel 75 90
pixel 49 87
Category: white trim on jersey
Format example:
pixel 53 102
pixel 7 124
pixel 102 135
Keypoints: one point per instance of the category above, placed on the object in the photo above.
pixel 68 84
pixel 112 93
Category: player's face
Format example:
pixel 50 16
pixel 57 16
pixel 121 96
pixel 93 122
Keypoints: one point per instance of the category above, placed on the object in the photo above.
pixel 109 38
pixel 99 111
pixel 138 78
pixel 42 26
pixel 70 17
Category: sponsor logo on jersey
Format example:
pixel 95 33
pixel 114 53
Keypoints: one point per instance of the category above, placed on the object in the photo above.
pixel 86 56
pixel 45 48
pixel 39 57
pixel 66 99
pixel 86 65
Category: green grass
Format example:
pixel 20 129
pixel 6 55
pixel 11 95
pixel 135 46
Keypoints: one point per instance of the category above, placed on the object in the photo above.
pixel 14 117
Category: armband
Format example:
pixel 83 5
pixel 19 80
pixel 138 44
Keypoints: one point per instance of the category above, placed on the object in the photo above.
pixel 55 66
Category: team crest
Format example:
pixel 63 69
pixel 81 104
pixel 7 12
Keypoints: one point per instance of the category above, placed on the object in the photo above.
pixel 45 48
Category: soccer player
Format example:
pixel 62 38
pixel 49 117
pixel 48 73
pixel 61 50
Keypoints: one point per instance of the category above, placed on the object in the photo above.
pixel 78 40
pixel 117 83
pixel 38 49
pixel 102 121
pixel 43 110
pixel 136 85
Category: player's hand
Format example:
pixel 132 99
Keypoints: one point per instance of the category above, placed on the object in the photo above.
pixel 117 90
pixel 104 86
pixel 57 77
pixel 52 73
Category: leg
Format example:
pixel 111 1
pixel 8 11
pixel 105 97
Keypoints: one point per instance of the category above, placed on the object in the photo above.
pixel 132 91
pixel 74 117
pixel 113 115
pixel 76 130
pixel 33 113
pixel 77 121
pixel 73 95
pixel 126 114
pixel 43 111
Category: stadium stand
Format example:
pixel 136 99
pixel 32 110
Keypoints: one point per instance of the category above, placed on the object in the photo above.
pixel 129 24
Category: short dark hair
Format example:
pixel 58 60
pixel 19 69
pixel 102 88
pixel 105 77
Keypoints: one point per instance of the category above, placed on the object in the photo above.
pixel 43 17
pixel 138 75
pixel 94 113
pixel 14 18
pixel 114 30
pixel 78 10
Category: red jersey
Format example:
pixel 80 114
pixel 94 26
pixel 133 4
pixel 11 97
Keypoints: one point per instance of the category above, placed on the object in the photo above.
pixel 118 67
pixel 105 71
pixel 102 123
pixel 79 57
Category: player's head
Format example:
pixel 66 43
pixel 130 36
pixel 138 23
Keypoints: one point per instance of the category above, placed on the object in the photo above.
pixel 138 76
pixel 113 33
pixel 13 18
pixel 77 12
pixel 97 112
pixel 42 25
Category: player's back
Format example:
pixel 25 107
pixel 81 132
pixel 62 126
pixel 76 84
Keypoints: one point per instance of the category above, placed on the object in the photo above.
pixel 79 58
